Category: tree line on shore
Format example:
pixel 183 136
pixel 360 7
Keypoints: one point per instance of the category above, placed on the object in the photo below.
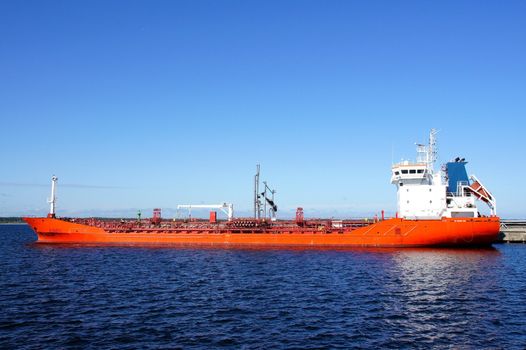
pixel 11 220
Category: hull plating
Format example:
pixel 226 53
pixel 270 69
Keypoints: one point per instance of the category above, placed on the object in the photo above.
pixel 388 233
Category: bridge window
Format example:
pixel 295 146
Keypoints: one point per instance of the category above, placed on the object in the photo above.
pixel 412 171
pixel 404 171
pixel 397 173
pixel 420 171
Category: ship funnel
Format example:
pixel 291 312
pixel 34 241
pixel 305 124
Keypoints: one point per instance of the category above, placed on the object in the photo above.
pixel 457 175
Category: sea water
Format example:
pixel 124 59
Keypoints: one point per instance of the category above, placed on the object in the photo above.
pixel 131 297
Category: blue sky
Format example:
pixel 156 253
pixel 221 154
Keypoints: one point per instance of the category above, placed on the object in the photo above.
pixel 139 104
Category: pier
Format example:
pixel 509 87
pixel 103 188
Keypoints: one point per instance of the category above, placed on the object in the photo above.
pixel 512 231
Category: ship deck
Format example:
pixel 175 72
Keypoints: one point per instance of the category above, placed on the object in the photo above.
pixel 241 225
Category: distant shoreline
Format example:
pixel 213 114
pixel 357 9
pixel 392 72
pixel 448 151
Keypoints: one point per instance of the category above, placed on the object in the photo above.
pixel 10 220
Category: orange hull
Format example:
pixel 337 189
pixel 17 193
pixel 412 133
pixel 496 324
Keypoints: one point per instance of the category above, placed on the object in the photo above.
pixel 387 233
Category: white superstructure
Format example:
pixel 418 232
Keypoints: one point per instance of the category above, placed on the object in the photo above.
pixel 426 194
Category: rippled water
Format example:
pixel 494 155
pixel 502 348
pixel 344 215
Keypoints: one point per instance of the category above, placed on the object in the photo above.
pixel 140 297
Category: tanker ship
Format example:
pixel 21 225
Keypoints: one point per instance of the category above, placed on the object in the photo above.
pixel 435 208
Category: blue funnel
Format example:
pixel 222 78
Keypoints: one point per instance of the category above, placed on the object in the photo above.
pixel 456 172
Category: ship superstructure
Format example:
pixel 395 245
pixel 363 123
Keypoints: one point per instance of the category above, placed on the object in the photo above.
pixel 423 193
pixel 434 209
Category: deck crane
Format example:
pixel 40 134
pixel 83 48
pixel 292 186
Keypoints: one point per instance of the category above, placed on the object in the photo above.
pixel 261 199
pixel 227 208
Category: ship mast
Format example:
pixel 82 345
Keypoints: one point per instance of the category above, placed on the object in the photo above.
pixel 53 199
pixel 428 154
pixel 261 199
pixel 257 202
pixel 432 152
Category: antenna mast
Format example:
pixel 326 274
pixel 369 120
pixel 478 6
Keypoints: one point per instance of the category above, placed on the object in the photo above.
pixel 428 154
pixel 432 152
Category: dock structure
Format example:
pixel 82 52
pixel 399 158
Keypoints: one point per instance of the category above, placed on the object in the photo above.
pixel 513 231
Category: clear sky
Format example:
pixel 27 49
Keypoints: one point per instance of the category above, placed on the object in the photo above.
pixel 139 104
